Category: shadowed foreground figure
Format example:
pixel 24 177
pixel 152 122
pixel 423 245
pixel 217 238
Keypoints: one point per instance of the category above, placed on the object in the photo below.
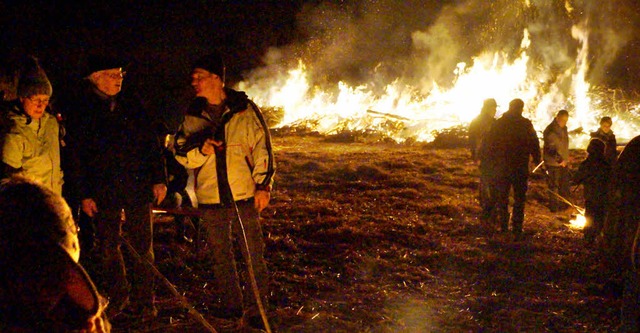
pixel 42 286
pixel 622 232
pixel 510 142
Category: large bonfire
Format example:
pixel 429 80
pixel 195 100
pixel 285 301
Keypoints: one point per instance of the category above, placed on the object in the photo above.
pixel 417 109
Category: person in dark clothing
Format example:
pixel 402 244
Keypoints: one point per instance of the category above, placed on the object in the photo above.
pixel 478 129
pixel 115 172
pixel 556 157
pixel 42 286
pixel 177 179
pixel 605 134
pixel 594 172
pixel 511 142
pixel 621 233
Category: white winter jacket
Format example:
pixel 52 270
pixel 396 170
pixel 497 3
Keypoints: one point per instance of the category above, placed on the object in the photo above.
pixel 249 156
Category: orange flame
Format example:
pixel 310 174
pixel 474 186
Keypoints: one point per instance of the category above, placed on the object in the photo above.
pixel 422 116
pixel 578 222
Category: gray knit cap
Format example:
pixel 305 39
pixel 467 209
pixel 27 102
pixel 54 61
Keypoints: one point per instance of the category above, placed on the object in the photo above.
pixel 33 80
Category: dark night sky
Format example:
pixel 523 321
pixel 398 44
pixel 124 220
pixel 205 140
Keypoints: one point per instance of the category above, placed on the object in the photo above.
pixel 160 39
pixel 151 32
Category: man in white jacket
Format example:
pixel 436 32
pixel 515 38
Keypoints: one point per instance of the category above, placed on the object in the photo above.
pixel 225 139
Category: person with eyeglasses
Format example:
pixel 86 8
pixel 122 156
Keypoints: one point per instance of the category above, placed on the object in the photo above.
pixel 31 134
pixel 115 170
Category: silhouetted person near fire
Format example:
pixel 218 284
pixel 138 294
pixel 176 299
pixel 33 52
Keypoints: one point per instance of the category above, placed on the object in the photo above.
pixel 621 242
pixel 115 172
pixel 478 129
pixel 225 138
pixel 511 142
pixel 42 286
pixel 605 134
pixel 556 157
pixel 594 173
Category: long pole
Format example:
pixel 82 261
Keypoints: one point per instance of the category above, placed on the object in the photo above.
pixel 185 303
pixel 252 275
pixel 192 311
pixel 579 209
pixel 537 167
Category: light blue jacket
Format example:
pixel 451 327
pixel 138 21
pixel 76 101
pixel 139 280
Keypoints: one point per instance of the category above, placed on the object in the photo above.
pixel 33 149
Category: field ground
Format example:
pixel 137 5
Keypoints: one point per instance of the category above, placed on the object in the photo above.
pixel 382 237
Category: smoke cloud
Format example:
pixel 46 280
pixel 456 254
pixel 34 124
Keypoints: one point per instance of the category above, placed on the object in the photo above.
pixel 375 42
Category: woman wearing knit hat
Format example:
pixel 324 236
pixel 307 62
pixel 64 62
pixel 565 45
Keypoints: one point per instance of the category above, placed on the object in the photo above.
pixel 31 135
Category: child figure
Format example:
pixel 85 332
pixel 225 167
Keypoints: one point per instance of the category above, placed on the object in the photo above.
pixel 605 134
pixel 594 173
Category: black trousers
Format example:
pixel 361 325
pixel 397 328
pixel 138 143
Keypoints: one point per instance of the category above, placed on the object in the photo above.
pixel 503 185
pixel 107 262
pixel 595 213
pixel 486 190
pixel 222 228
pixel 559 182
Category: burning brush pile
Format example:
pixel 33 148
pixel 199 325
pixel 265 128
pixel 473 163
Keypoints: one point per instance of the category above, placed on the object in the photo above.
pixel 551 56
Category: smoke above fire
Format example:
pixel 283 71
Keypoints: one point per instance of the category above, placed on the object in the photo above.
pixel 410 69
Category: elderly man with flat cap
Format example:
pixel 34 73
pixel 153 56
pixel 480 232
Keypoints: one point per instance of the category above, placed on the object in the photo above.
pixel 225 140
pixel 115 170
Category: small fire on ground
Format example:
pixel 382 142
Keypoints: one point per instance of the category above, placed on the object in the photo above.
pixel 578 222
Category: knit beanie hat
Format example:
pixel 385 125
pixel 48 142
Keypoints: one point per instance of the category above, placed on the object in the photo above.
pixel 100 62
pixel 213 63
pixel 33 80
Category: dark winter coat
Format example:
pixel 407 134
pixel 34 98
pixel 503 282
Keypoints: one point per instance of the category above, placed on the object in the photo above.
pixel 478 129
pixel 610 150
pixel 594 173
pixel 114 156
pixel 510 142
pixel 556 144
pixel 623 218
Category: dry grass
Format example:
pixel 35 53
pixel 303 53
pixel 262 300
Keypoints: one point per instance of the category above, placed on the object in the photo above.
pixel 385 238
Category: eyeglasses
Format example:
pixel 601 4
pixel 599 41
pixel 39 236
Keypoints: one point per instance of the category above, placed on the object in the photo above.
pixel 39 101
pixel 116 76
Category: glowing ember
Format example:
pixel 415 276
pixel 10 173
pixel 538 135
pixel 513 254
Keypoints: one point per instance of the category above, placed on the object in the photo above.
pixel 578 222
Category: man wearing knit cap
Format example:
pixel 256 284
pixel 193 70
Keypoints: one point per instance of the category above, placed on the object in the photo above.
pixel 31 140
pixel 115 171
pixel 225 140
